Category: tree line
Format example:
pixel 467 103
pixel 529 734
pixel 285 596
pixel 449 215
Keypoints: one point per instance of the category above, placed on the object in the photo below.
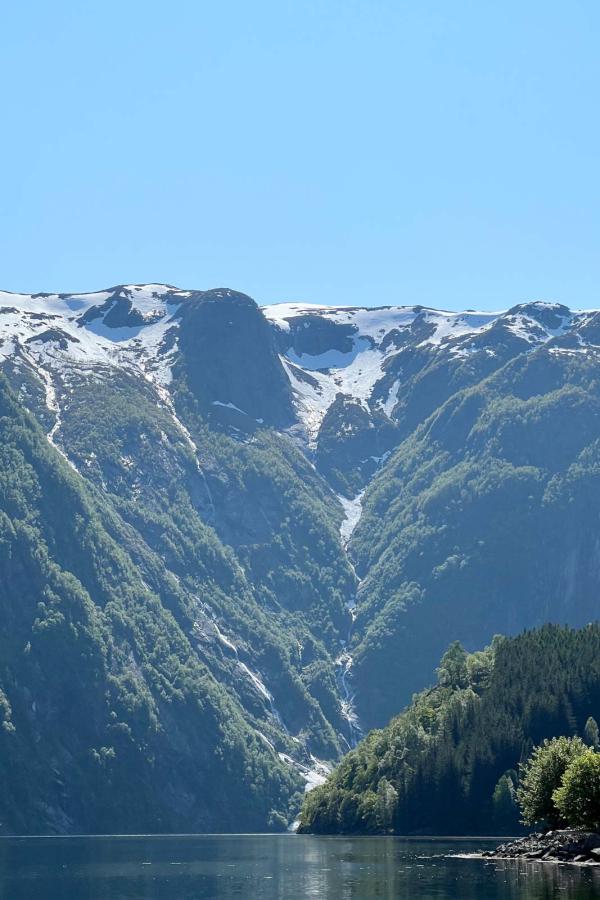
pixel 449 763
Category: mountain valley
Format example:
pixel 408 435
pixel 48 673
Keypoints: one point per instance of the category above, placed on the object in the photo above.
pixel 233 539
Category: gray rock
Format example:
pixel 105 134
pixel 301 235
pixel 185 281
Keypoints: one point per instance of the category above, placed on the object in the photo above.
pixel 567 845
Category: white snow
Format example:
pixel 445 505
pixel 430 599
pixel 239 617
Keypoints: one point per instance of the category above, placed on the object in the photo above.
pixel 453 325
pixel 370 321
pixel 331 359
pixel 356 372
pixel 92 343
pixel 355 376
pixel 531 330
pixel 392 398
pixel 93 349
pixel 352 510
pixel 313 398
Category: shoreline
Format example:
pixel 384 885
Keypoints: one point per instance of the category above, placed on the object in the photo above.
pixel 568 846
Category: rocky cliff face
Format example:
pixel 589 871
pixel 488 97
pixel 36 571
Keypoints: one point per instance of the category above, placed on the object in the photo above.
pixel 229 361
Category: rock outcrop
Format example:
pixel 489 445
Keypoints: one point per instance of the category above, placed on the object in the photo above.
pixel 566 846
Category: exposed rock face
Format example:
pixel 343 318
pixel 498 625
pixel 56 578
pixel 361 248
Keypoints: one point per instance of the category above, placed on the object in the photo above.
pixel 569 845
pixel 116 312
pixel 353 442
pixel 314 335
pixel 230 361
pixel 53 335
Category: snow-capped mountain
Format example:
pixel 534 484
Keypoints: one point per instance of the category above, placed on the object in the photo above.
pixel 125 327
pixel 327 351
pixel 350 381
pixel 276 518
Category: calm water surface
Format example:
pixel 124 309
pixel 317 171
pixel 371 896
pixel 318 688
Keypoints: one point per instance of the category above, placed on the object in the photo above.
pixel 264 867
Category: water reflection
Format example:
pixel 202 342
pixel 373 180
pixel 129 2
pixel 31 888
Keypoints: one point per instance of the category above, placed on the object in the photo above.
pixel 264 867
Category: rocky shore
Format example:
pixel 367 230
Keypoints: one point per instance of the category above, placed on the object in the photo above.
pixel 567 846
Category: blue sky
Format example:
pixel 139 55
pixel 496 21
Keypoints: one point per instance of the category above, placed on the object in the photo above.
pixel 341 151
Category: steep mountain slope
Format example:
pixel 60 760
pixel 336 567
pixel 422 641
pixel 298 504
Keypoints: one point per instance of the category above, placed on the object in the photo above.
pixel 263 612
pixel 485 521
pixel 480 509
pixel 111 718
pixel 447 764
pixel 316 498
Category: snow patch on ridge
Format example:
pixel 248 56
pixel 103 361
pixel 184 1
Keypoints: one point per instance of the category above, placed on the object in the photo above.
pixel 379 333
pixel 356 371
pixel 91 343
pixel 392 398
pixel 331 359
pixel 448 325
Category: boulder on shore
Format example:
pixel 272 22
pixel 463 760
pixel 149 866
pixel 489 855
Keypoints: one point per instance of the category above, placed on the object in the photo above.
pixel 567 845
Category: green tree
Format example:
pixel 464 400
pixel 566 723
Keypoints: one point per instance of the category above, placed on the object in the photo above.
pixel 453 671
pixel 504 801
pixel 578 797
pixel 591 735
pixel 542 774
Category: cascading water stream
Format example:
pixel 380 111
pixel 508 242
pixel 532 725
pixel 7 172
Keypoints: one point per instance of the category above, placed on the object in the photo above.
pixel 352 509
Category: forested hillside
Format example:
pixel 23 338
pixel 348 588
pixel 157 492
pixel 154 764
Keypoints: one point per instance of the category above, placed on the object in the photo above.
pixel 447 765
pixel 485 520
pixel 110 717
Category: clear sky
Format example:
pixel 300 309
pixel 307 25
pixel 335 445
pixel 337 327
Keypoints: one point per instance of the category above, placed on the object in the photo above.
pixel 443 152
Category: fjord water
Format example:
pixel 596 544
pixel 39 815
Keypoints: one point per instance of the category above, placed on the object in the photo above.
pixel 275 867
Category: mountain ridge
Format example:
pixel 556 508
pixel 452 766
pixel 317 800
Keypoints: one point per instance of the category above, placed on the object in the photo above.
pixel 316 496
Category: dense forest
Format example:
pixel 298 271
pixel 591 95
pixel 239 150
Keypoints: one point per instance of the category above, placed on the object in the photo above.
pixel 448 764
pixel 483 521
pixel 110 717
